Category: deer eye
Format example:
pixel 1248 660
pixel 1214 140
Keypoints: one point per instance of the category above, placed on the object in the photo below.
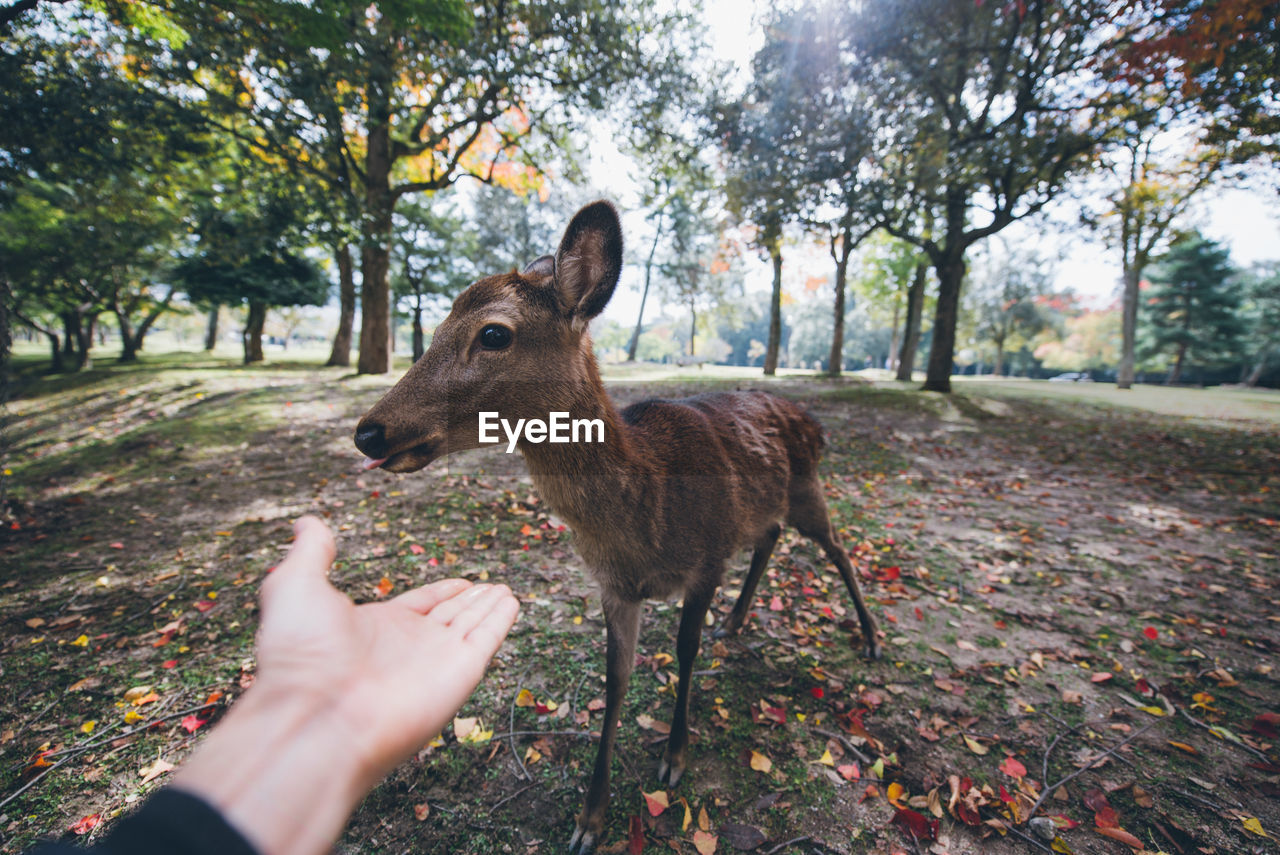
pixel 495 337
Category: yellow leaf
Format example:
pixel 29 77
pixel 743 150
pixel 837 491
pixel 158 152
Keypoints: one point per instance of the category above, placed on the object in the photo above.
pixel 761 763
pixel 826 759
pixel 974 745
pixel 532 755
pixel 894 792
pixel 1059 846
pixel 462 727
pixel 1150 710
pixel 525 698
pixel 131 716
pixel 1184 746
pixel 137 692
pixel 1253 826
pixel 705 843
pixel 88 726
pixel 688 815
pixel 82 641
pixel 704 821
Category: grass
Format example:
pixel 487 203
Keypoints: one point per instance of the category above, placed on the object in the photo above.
pixel 1015 539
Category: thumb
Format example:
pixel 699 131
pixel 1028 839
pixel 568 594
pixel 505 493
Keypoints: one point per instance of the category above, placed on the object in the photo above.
pixel 307 563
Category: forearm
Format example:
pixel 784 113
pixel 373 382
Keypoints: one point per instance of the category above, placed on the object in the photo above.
pixel 281 770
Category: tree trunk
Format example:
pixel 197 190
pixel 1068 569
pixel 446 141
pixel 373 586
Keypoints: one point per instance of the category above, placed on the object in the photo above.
pixel 85 325
pixel 911 330
pixel 951 271
pixel 419 342
pixel 836 361
pixel 252 336
pixel 997 370
pixel 1256 374
pixel 128 353
pixel 56 362
pixel 1176 374
pixel 775 313
pixel 1128 327
pixel 211 329
pixel 375 253
pixel 891 360
pixel 340 355
pixel 69 335
pixel 644 295
pixel 693 326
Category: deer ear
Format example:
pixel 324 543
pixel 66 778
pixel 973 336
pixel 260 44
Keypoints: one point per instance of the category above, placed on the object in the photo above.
pixel 544 266
pixel 589 261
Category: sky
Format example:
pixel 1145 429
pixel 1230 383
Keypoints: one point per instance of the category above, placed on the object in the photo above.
pixel 1246 220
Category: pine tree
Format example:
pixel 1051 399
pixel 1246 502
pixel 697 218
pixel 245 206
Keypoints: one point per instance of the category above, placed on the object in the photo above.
pixel 1193 307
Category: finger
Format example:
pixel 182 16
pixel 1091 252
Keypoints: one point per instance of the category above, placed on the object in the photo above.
pixel 448 610
pixel 477 608
pixel 309 559
pixel 427 597
pixel 488 634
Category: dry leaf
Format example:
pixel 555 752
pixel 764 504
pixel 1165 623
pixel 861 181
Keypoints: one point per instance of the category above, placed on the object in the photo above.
pixel 155 770
pixel 974 745
pixel 705 843
pixel 760 762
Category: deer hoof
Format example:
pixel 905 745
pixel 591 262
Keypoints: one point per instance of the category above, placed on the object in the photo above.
pixel 669 773
pixel 582 843
pixel 725 631
pixel 873 651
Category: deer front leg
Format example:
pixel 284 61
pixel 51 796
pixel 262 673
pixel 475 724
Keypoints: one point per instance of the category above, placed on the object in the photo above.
pixel 622 622
pixel 673 762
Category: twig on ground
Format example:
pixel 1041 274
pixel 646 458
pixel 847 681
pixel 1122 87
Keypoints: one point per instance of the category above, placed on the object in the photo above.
pixel 849 746
pixel 792 842
pixel 510 797
pixel 544 733
pixel 1198 723
pixel 1092 762
pixel 511 727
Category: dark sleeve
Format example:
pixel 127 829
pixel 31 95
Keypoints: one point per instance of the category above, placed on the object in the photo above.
pixel 170 823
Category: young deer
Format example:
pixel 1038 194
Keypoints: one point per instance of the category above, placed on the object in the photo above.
pixel 676 488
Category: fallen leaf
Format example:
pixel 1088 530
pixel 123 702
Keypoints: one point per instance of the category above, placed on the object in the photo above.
pixel 462 727
pixel 1253 826
pixel 974 745
pixel 915 824
pixel 760 762
pixel 155 770
pixel 1151 633
pixel 88 726
pixel 1123 836
pixel 422 811
pixel 191 724
pixel 657 802
pixel 849 771
pixel 1190 749
pixel 704 843
pixel 741 837
pixel 894 792
pixel 417 549
pixel 1013 768
pixel 87 824
pixel 384 587
pixel 635 836
pixel 524 698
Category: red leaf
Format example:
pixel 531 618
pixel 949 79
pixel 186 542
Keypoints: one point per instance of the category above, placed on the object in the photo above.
pixel 191 724
pixel 1123 836
pixel 1106 818
pixel 817 692
pixel 116 545
pixel 416 549
pixel 635 836
pixel 915 824
pixel 383 588
pixel 1095 800
pixel 170 663
pixel 87 824
pixel 1151 632
pixel 202 605
pixel 776 603
pixel 1013 768
pixel 1266 725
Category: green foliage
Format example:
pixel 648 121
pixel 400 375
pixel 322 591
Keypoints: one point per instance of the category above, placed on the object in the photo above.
pixel 1193 306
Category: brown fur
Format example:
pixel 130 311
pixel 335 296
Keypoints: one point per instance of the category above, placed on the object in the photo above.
pixel 675 490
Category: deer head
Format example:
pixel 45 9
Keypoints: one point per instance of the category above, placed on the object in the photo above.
pixel 516 343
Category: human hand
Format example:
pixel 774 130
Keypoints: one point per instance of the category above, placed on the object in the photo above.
pixel 391 673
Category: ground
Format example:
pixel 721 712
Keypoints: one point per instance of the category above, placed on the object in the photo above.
pixel 1074 582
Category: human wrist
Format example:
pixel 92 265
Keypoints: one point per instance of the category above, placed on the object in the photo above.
pixel 282 769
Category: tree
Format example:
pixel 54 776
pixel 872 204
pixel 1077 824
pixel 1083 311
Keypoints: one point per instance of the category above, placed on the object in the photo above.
pixel 1008 301
pixel 430 257
pixel 887 269
pixel 696 267
pixel 1261 310
pixel 1193 306
pixel 411 97
pixel 250 254
pixel 988 110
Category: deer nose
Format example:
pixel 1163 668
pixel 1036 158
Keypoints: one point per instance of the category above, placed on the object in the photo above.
pixel 372 440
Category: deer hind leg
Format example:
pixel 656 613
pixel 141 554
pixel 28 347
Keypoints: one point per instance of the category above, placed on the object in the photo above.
pixel 759 560
pixel 809 515
pixel 622 622
pixel 692 616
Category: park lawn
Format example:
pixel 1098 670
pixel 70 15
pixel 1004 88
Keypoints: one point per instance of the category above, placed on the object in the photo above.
pixel 1058 568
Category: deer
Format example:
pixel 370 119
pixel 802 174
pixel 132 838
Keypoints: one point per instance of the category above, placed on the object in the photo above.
pixel 676 489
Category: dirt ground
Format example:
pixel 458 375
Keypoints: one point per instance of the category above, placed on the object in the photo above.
pixel 1070 589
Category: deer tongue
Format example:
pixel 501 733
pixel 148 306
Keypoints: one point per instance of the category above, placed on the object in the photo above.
pixel 370 463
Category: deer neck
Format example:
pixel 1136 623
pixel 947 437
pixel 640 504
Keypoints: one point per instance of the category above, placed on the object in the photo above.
pixel 596 487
